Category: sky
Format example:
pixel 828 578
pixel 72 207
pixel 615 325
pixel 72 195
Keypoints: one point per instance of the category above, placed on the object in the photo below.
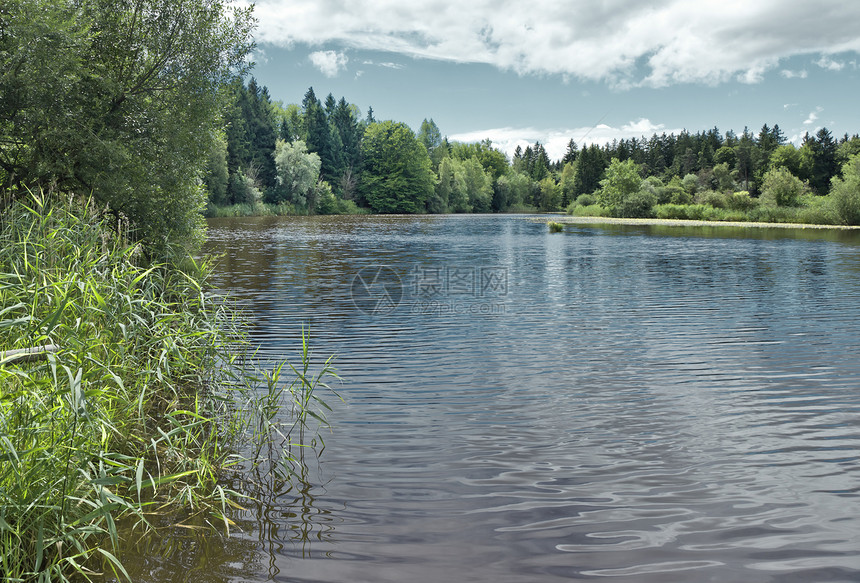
pixel 521 71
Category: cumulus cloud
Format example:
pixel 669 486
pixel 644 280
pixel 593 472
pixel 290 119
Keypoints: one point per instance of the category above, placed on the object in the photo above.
pixel 826 62
pixel 555 141
pixel 329 62
pixel 794 74
pixel 622 42
pixel 813 116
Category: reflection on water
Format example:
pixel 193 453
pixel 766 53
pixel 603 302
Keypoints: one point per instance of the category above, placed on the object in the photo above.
pixel 645 404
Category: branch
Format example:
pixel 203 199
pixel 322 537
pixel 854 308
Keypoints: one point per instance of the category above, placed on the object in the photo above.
pixel 27 354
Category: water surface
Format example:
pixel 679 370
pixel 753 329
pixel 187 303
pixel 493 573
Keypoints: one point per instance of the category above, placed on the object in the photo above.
pixel 615 403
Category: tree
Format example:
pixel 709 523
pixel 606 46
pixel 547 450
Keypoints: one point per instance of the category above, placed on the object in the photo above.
pixel 512 190
pixel 550 194
pixel 479 185
pixel 622 180
pixel 787 157
pixel 119 99
pixel 298 173
pixel 824 166
pixel 781 188
pixel 589 170
pixel 396 177
pixel 566 182
pixel 845 193
pixel 430 136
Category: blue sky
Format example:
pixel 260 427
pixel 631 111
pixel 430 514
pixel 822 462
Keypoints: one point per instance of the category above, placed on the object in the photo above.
pixel 517 72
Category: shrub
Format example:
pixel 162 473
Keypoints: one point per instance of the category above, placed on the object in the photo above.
pixel 586 200
pixel 772 214
pixel 637 205
pixel 845 193
pixel 781 188
pixel 712 198
pixel 592 210
pixel 740 201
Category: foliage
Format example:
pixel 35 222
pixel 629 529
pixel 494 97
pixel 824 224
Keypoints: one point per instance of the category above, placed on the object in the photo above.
pixel 781 188
pixel 713 199
pixel 586 200
pixel 637 205
pixel 550 195
pixel 118 99
pixel 512 190
pixel 594 210
pixel 622 181
pixel 141 409
pixel 741 201
pixel 845 193
pixel 396 177
pixel 298 173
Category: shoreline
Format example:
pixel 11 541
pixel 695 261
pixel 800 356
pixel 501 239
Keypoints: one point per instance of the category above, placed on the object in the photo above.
pixel 694 223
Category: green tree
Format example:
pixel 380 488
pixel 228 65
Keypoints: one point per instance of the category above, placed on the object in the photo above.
pixel 217 176
pixel 566 182
pixel 824 165
pixel 550 194
pixel 298 173
pixel 589 170
pixel 119 99
pixel 479 185
pixel 622 180
pixel 781 188
pixel 396 175
pixel 788 157
pixel 511 190
pixel 845 192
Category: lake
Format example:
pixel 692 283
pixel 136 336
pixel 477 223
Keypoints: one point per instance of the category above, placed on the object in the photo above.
pixel 623 403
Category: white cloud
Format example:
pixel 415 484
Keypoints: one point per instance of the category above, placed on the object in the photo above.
pixel 387 65
pixel 555 140
pixel 622 42
pixel 329 62
pixel 813 116
pixel 794 74
pixel 826 62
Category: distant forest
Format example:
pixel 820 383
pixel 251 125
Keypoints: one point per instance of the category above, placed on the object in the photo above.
pixel 326 157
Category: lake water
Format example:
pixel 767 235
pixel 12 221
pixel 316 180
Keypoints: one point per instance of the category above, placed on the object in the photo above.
pixel 633 404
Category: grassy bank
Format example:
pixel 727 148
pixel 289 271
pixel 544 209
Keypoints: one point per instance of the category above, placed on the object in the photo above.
pixel 261 209
pixel 139 411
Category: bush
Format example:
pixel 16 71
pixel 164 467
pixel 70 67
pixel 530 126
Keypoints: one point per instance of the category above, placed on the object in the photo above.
pixel 740 201
pixel 638 205
pixel 772 214
pixel 693 212
pixel 586 200
pixel 592 210
pixel 781 188
pixel 845 193
pixel 712 198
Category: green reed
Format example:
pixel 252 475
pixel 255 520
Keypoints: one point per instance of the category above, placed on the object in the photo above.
pixel 147 403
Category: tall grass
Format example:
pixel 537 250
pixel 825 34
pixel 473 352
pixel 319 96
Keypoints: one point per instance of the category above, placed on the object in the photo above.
pixel 143 408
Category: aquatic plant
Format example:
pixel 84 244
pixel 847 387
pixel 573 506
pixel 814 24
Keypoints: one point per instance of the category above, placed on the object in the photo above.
pixel 145 402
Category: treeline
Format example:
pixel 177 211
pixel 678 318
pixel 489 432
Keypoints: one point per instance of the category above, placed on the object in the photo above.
pixel 325 157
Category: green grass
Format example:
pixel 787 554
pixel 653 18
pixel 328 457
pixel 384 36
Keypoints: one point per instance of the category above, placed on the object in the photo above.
pixel 143 409
pixel 555 227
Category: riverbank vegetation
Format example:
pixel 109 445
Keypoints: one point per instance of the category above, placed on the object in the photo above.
pixel 324 157
pixel 142 408
pixel 139 398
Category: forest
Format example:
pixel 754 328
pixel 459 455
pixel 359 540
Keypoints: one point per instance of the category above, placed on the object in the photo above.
pixel 325 157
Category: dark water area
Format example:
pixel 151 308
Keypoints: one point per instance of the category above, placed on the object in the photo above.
pixel 634 404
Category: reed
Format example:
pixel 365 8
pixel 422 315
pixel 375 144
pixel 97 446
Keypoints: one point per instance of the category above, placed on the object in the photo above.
pixel 144 402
